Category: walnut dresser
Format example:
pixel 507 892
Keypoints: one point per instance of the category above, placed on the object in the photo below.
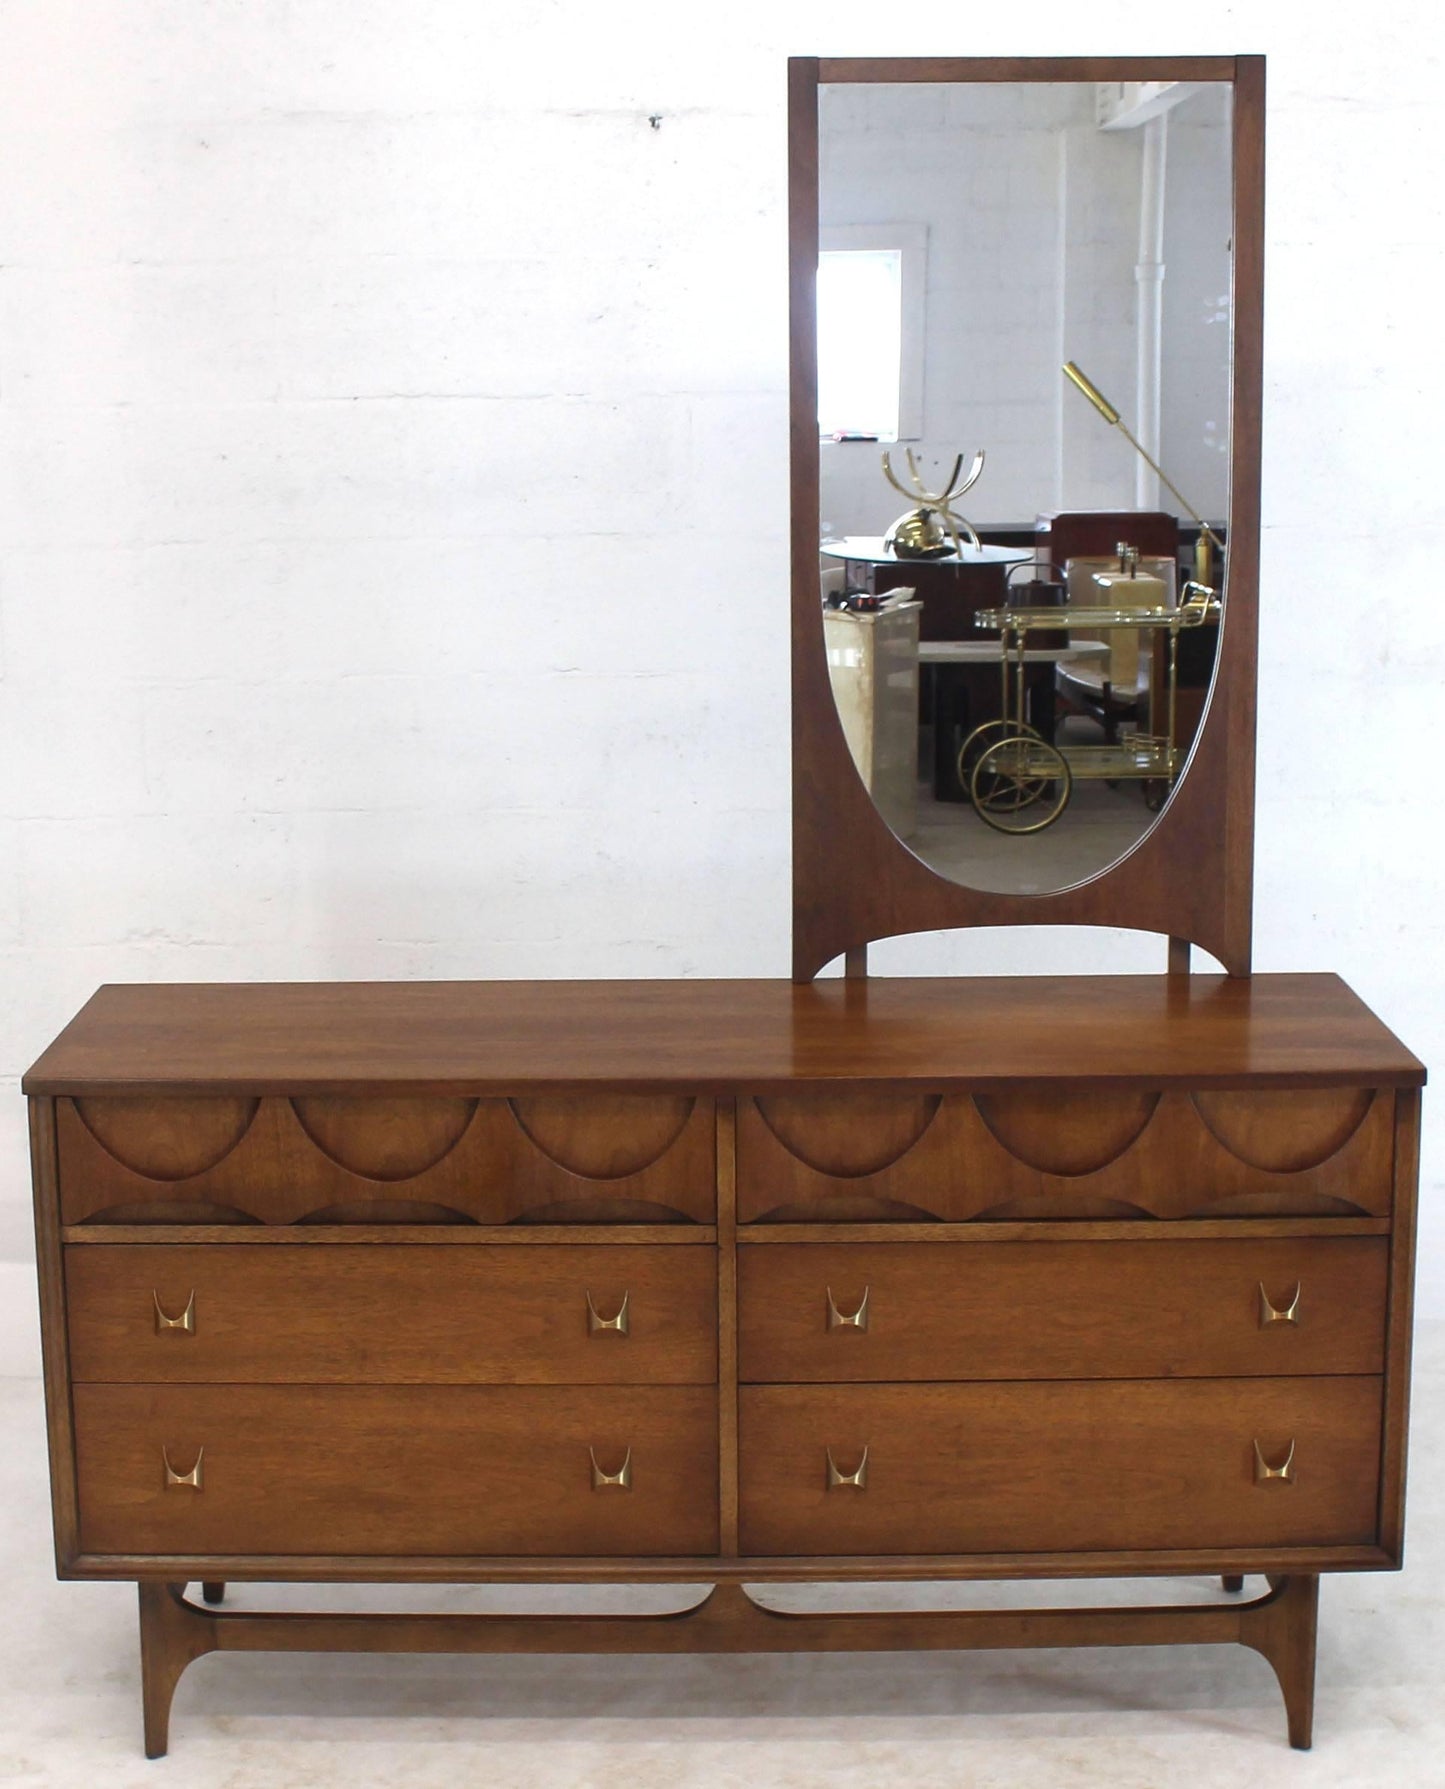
pixel 735 1282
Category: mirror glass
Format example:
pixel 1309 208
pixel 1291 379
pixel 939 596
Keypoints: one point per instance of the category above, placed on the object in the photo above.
pixel 1023 716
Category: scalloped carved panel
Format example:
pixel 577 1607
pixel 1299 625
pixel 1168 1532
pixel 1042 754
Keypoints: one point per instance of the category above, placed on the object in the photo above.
pixel 1165 1162
pixel 1066 1133
pixel 167 1139
pixel 603 1136
pixel 391 1166
pixel 385 1139
pixel 1284 1132
pixel 848 1134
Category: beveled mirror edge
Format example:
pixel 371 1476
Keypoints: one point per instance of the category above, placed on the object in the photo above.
pixel 1190 878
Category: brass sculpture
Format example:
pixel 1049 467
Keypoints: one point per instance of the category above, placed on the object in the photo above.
pixel 932 529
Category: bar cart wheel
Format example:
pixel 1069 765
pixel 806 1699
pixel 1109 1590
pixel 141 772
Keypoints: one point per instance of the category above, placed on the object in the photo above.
pixel 1020 783
pixel 989 733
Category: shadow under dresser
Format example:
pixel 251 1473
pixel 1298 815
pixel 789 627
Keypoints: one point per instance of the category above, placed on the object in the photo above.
pixel 735 1282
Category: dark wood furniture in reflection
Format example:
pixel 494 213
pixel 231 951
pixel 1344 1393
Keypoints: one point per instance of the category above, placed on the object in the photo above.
pixel 732 1282
pixel 1190 877
pixel 1096 533
pixel 952 591
pixel 962 689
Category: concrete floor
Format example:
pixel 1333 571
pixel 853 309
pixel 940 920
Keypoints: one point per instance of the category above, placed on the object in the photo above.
pixel 1136 1719
pixel 1100 824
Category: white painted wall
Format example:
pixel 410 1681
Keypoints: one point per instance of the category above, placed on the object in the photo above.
pixel 393 457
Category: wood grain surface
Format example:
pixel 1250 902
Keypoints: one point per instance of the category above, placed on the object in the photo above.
pixel 618 1164
pixel 420 1469
pixel 1067 1310
pixel 1051 1153
pixel 1059 1466
pixel 381 1316
pixel 499 1038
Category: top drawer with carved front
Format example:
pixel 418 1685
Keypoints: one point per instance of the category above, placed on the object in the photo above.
pixel 574 1158
pixel 1067 1152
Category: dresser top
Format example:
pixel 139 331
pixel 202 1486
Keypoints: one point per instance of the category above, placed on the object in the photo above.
pixel 720 1036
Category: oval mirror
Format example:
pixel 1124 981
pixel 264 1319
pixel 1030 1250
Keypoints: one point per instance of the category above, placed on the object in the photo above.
pixel 1024 352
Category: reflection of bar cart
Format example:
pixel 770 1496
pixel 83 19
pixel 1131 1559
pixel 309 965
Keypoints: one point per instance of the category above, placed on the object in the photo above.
pixel 1016 779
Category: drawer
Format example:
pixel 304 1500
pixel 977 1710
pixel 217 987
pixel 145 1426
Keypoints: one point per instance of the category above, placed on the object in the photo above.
pixel 1059 1467
pixel 1064 1151
pixel 542 1158
pixel 362 1470
pixel 468 1313
pixel 1061 1310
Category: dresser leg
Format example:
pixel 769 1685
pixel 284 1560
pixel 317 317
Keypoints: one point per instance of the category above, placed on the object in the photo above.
pixel 1282 1629
pixel 216 1593
pixel 171 1637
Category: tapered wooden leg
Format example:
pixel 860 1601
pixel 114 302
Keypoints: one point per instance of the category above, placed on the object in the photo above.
pixel 1282 1629
pixel 1231 1583
pixel 171 1636
pixel 216 1593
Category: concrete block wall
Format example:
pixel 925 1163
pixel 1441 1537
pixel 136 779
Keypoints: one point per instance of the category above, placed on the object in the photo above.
pixel 393 468
pixel 1032 221
pixel 979 168
pixel 1198 227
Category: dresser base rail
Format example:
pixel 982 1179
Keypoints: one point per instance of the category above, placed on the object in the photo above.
pixel 1279 1625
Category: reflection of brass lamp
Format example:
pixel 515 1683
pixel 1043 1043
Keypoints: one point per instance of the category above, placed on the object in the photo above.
pixel 1207 537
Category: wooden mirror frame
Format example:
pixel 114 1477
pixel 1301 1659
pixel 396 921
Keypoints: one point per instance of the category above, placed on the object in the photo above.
pixel 1191 876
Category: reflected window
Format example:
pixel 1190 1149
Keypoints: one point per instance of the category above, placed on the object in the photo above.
pixel 870 339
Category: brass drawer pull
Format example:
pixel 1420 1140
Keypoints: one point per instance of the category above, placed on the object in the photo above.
pixel 857 1479
pixel 1264 1473
pixel 192 1479
pixel 186 1322
pixel 621 1480
pixel 620 1325
pixel 857 1319
pixel 1273 1313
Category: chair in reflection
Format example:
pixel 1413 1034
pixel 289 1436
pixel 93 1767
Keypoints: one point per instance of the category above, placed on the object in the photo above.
pixel 1112 690
pixel 1096 533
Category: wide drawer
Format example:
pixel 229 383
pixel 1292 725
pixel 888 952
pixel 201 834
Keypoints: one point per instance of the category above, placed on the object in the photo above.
pixel 541 1158
pixel 1071 1151
pixel 306 1313
pixel 1059 1467
pixel 452 1470
pixel 1060 1310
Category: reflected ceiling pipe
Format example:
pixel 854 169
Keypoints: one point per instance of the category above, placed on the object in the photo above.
pixel 1149 278
pixel 1208 539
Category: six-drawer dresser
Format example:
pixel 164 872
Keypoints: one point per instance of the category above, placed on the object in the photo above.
pixel 737 1282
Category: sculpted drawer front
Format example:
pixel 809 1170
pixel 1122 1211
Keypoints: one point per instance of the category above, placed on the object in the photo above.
pixel 544 1158
pixel 1059 1467
pixel 448 1470
pixel 1060 1310
pixel 1064 1151
pixel 392 1314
